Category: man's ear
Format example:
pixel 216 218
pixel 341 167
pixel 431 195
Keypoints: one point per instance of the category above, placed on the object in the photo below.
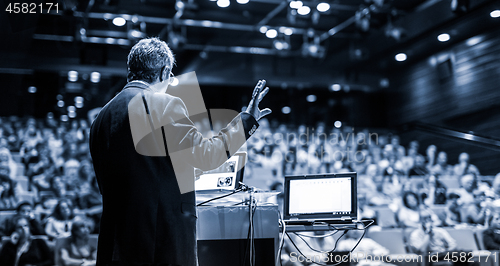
pixel 163 74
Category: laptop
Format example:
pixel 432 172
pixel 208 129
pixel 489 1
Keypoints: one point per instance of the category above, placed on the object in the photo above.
pixel 329 198
pixel 225 178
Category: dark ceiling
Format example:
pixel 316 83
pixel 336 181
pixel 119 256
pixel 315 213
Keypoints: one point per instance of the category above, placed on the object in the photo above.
pixel 225 46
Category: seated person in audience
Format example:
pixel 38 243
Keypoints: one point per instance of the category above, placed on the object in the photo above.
pixel 479 211
pixel 6 158
pixel 60 189
pixel 491 236
pixel 408 214
pixel 428 238
pixel 41 169
pixel 60 221
pixel 379 197
pixel 89 203
pixel 366 246
pixel 23 250
pixel 78 251
pixel 71 177
pixel 464 167
pixel 432 190
pixel 442 167
pixel 24 209
pixel 496 186
pixel 365 211
pixel 394 167
pixel 452 211
pixel 431 156
pixel 8 199
pixel 468 183
pixel 409 160
pixel 419 168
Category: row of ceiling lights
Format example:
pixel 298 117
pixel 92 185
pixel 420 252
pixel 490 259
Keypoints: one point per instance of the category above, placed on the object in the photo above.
pixel 444 37
pixel 301 8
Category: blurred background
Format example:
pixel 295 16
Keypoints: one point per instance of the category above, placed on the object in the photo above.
pixel 391 85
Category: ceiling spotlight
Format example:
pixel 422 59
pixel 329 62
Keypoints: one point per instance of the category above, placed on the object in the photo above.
pixel 79 104
pixel 271 33
pixel 72 76
pixel 95 77
pixel 495 14
pixel 60 103
pixel 64 118
pixel 323 7
pixel 223 3
pixel 242 1
pixel 296 4
pixel 286 110
pixel 78 99
pixel 400 57
pixel 304 10
pixel 278 45
pixel 444 37
pixel 288 31
pixel 337 124
pixel 335 87
pixel 71 108
pixel 32 89
pixel 311 98
pixel 281 45
pixel 263 29
pixel 179 5
pixel 119 21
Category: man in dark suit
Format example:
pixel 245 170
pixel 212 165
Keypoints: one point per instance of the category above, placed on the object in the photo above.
pixel 145 148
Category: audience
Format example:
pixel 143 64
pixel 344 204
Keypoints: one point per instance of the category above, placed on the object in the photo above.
pixel 78 251
pixel 59 222
pixel 479 211
pixel 429 238
pixel 61 181
pixel 442 167
pixel 452 211
pixel 491 236
pixel 25 210
pixel 8 198
pixel 432 190
pixel 23 250
pixel 468 184
pixel 366 245
pixel 464 167
pixel 408 215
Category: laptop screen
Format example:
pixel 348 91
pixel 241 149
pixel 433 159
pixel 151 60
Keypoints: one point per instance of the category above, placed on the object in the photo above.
pixel 320 197
pixel 225 177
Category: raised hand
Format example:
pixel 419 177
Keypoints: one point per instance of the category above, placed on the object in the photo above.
pixel 258 94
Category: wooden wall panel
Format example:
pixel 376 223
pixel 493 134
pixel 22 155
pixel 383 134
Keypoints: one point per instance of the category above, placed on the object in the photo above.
pixel 467 100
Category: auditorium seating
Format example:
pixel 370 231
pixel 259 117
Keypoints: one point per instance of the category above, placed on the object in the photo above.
pixel 386 217
pixel 467 239
pixel 392 239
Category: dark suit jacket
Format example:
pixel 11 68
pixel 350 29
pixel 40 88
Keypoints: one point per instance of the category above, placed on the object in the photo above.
pixel 146 218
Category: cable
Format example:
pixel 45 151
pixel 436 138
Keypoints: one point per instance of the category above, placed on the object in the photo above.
pixel 321 251
pixel 320 236
pixel 345 228
pixel 282 240
pixel 250 237
pixel 220 197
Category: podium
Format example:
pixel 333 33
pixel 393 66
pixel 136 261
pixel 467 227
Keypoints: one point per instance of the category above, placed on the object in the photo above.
pixel 223 235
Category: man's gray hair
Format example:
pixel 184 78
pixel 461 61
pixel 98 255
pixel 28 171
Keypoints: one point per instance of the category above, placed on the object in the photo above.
pixel 147 59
